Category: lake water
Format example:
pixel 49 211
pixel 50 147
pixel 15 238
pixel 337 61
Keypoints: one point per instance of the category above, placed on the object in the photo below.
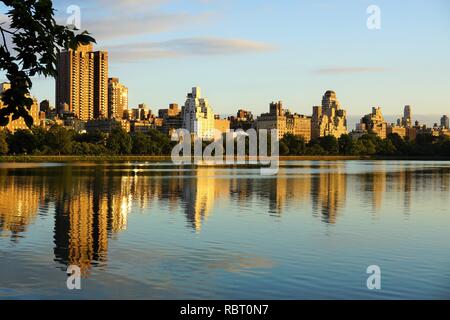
pixel 159 231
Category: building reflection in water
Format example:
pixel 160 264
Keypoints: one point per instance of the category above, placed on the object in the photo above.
pixel 329 192
pixel 200 193
pixel 19 204
pixel 92 204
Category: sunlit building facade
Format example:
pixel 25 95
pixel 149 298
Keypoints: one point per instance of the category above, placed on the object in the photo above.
pixel 117 98
pixel 19 124
pixel 330 118
pixel 285 122
pixel 82 83
pixel 198 116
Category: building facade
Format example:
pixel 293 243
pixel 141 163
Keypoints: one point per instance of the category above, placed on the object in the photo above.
pixel 243 120
pixel 407 117
pixel 445 124
pixel 330 118
pixel 172 118
pixel 222 125
pixel 285 122
pixel 401 131
pixel 82 83
pixel 373 123
pixel 19 124
pixel 117 98
pixel 198 116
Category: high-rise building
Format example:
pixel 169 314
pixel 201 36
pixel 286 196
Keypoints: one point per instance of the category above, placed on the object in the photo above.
pixel 198 116
pixel 100 84
pixel 445 122
pixel 407 117
pixel 82 83
pixel 117 98
pixel 330 118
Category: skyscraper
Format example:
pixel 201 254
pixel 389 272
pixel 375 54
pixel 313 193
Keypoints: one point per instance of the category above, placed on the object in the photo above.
pixel 198 116
pixel 330 118
pixel 445 122
pixel 407 117
pixel 82 82
pixel 100 84
pixel 117 98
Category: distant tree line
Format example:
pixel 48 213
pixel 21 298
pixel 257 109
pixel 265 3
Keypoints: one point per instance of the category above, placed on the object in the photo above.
pixel 60 141
pixel 367 145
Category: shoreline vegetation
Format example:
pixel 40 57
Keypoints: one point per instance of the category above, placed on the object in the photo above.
pixel 58 144
pixel 140 158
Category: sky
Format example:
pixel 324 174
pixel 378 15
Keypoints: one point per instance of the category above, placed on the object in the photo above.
pixel 245 54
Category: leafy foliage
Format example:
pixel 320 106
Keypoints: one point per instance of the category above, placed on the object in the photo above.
pixel 295 145
pixel 59 141
pixel 119 142
pixel 3 144
pixel 36 40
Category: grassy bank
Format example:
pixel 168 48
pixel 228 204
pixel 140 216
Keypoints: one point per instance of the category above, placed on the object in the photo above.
pixel 106 158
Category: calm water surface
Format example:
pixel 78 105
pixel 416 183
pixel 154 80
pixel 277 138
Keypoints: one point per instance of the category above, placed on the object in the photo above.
pixel 157 231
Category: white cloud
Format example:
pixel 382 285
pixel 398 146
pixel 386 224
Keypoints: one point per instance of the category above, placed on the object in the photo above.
pixel 198 46
pixel 116 27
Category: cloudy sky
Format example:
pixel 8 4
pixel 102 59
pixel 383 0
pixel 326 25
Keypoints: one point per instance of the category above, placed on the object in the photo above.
pixel 247 53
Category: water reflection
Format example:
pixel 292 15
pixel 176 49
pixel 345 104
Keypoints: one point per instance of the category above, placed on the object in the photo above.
pixel 92 203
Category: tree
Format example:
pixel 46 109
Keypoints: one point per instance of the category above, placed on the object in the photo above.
pixel 3 144
pixel 295 144
pixel 142 144
pixel 423 145
pixel 36 39
pixel 59 140
pixel 95 137
pixel 284 149
pixel 329 144
pixel 345 144
pixel 119 142
pixel 40 137
pixel 85 148
pixel 358 148
pixel 21 142
pixel 401 146
pixel 387 147
pixel 443 146
pixel 162 141
pixel 314 149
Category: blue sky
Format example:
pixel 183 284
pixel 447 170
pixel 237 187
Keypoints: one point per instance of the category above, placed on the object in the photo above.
pixel 245 54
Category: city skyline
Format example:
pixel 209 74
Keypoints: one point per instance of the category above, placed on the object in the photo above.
pixel 247 67
pixel 224 150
